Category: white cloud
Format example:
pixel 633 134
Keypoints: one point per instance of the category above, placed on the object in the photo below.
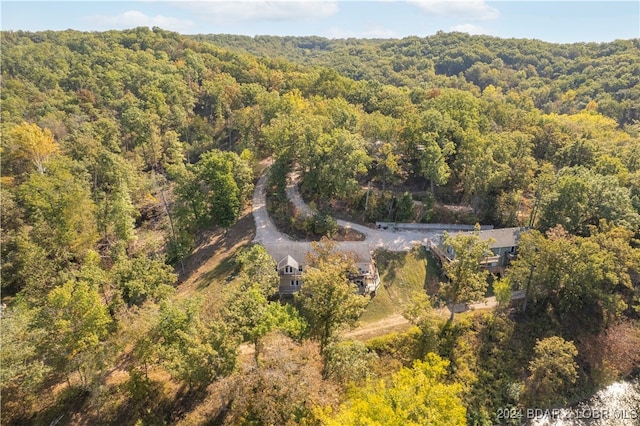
pixel 469 28
pixel 134 18
pixel 225 11
pixel 375 32
pixel 471 9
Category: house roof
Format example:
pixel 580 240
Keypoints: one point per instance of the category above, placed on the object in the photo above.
pixel 288 261
pixel 296 252
pixel 504 237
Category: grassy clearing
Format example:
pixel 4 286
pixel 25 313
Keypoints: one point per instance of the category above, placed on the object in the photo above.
pixel 402 274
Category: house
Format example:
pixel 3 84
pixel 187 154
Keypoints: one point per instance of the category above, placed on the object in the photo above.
pixel 291 259
pixel 504 247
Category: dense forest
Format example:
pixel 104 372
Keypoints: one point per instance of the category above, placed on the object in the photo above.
pixel 560 78
pixel 125 152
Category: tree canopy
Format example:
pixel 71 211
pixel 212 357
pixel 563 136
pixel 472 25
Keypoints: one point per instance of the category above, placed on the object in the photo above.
pixel 126 154
pixel 413 396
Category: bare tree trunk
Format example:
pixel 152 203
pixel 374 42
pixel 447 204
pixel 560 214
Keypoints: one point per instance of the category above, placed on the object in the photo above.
pixel 384 179
pixel 173 230
pixel 366 201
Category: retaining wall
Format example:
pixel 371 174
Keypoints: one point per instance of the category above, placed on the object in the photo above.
pixel 429 226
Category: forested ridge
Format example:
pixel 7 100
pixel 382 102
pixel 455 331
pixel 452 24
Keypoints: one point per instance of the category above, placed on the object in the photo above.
pixel 557 77
pixel 123 151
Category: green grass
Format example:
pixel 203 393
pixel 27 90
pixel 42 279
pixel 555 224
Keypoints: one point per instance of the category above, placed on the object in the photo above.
pixel 402 274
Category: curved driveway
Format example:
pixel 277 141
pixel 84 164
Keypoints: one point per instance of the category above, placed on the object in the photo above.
pixel 388 239
pixel 266 231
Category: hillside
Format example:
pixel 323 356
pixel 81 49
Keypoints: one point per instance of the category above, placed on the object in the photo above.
pixel 561 78
pixel 132 295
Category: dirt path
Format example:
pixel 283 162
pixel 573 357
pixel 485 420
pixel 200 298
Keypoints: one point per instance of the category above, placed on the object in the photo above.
pixel 398 323
pixel 390 324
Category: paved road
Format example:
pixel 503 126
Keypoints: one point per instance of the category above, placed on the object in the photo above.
pixel 266 231
pixel 294 195
pixel 388 239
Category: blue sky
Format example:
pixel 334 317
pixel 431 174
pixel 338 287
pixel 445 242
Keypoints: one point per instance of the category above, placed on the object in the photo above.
pixel 559 21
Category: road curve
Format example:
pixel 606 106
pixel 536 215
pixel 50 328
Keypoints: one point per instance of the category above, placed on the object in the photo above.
pixel 266 231
pixel 376 238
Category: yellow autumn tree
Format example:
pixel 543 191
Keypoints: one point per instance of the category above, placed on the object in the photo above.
pixel 417 396
pixel 29 143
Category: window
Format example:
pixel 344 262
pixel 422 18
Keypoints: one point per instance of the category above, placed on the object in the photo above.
pixel 288 269
pixel 292 282
pixel 297 282
pixel 300 268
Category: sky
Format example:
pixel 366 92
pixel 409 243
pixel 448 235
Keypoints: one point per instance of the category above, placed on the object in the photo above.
pixel 566 21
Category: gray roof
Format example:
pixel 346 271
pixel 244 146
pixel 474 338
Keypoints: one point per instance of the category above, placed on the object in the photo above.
pixel 288 261
pixel 299 250
pixel 504 237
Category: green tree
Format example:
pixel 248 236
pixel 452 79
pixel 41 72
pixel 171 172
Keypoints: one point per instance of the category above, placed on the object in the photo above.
pixel 413 396
pixel 327 299
pixel 433 163
pixel 388 163
pixel 258 267
pixel 477 169
pixel 503 291
pixel 27 267
pixel 222 192
pixel 294 129
pixel 404 208
pixel 213 191
pixel 249 314
pixel 420 312
pixel 332 164
pixel 115 212
pixel 348 362
pixel 23 367
pixel 552 369
pixel 190 208
pixel 58 206
pixel 584 278
pixel 76 322
pixel 467 279
pixel 140 279
pixel 581 198
pixel 191 351
pixel 379 127
pixel 542 185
